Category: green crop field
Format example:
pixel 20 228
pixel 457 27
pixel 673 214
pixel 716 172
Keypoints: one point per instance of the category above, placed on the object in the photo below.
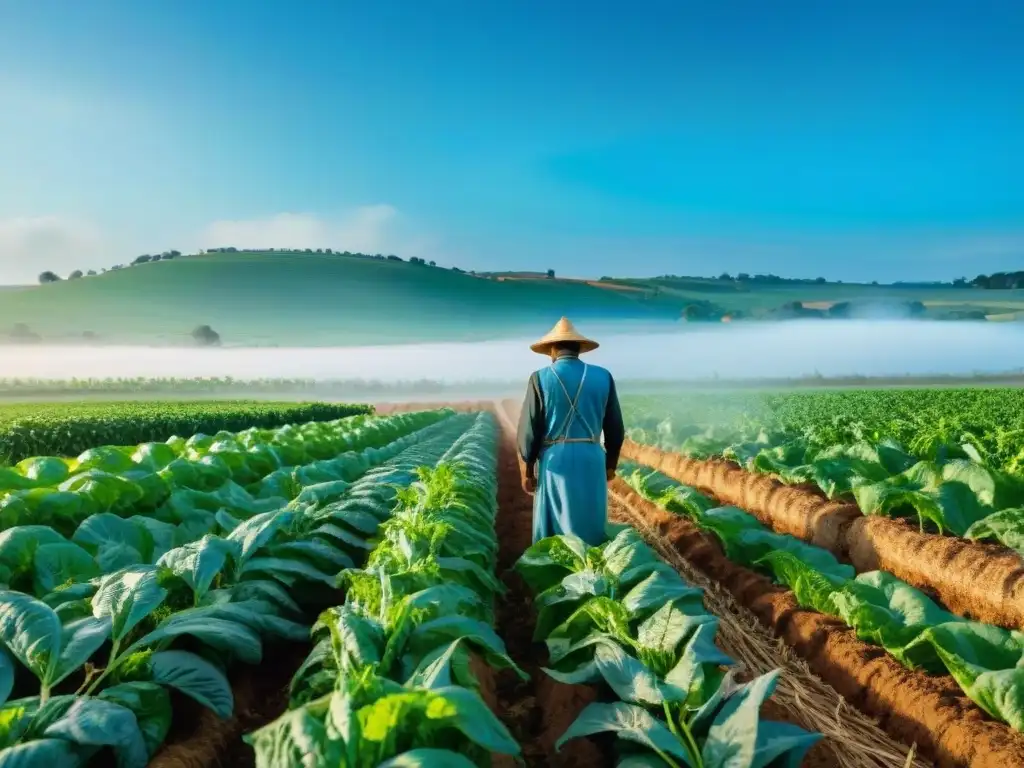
pixel 252 583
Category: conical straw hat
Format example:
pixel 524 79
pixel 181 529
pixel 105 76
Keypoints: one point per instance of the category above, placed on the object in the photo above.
pixel 563 331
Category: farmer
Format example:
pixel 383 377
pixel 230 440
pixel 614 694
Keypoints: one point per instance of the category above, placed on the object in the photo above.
pixel 568 404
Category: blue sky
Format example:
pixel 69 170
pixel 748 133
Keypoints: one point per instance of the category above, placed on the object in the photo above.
pixel 867 140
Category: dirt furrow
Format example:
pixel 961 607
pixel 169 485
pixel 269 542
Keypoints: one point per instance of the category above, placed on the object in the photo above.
pixel 537 711
pixel 200 739
pixel 976 580
pixel 911 707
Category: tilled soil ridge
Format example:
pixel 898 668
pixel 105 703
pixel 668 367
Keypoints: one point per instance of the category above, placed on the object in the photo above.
pixel 914 708
pixel 976 580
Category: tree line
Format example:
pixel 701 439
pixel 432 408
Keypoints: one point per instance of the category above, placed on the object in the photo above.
pixel 999 281
pixel 146 258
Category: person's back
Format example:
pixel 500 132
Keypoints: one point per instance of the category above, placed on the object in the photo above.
pixel 567 407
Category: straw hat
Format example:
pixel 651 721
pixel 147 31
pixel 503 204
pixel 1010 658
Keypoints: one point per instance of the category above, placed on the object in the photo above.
pixel 563 331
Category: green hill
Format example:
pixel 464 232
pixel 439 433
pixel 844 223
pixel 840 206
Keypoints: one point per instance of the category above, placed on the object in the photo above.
pixel 310 299
pixel 313 299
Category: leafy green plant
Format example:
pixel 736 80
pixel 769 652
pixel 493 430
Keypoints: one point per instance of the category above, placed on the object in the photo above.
pixel 418 612
pixel 618 615
pixel 986 661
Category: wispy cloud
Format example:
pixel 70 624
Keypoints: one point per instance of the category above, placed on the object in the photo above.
pixel 368 229
pixel 30 245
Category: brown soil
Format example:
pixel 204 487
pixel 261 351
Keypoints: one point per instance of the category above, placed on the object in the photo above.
pixel 981 581
pixel 200 739
pixel 911 706
pixel 537 711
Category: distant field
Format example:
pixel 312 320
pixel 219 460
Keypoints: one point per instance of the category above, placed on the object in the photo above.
pixel 299 299
pixel 310 299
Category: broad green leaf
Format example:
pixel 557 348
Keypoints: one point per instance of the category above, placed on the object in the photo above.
pixel 254 533
pixel 18 547
pixel 631 680
pixel 555 604
pixel 221 634
pixel 31 631
pixel 545 563
pixel 428 758
pixel 287 571
pixel 296 738
pixel 6 675
pixel 658 589
pixel 199 562
pixel 95 722
pixel 435 672
pixel 318 553
pixel 628 722
pixel 739 738
pixel 50 752
pixel 357 641
pixel 443 630
pixel 151 705
pixel 80 639
pixel 127 597
pixel 195 677
pixel 59 563
pixel 454 707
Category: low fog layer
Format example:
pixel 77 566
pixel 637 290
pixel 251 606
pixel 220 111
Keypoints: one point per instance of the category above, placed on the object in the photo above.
pixel 791 349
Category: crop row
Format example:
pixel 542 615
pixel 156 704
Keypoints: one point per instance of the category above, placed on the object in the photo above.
pixel 67 429
pixel 987 662
pixel 925 421
pixel 92 644
pixel 618 614
pixel 394 676
pixel 949 481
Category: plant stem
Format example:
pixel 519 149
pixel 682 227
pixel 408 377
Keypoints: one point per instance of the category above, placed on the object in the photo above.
pixel 111 664
pixel 691 743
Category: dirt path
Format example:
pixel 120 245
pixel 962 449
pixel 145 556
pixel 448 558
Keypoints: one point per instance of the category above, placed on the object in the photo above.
pixel 540 710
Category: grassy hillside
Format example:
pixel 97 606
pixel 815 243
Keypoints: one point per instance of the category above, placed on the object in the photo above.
pixel 292 299
pixel 299 299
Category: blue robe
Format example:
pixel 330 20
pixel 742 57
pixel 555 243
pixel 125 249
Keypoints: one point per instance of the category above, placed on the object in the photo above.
pixel 572 488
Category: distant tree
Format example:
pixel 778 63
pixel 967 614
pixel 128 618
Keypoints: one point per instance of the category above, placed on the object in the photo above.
pixel 172 254
pixel 456 269
pixel 144 258
pixel 551 274
pixel 75 275
pixel 49 277
pixel 22 334
pixel 820 280
pixel 205 336
pixel 433 263
pixel 960 282
pixel 319 250
pixel 157 257
pixel 742 277
pixel 392 257
pixel 605 279
pixel 328 251
pixel 725 276
pixel 874 282
pixel 309 250
pixel 92 272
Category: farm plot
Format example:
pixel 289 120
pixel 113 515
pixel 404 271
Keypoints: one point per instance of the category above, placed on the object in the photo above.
pixel 942 514
pixel 130 591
